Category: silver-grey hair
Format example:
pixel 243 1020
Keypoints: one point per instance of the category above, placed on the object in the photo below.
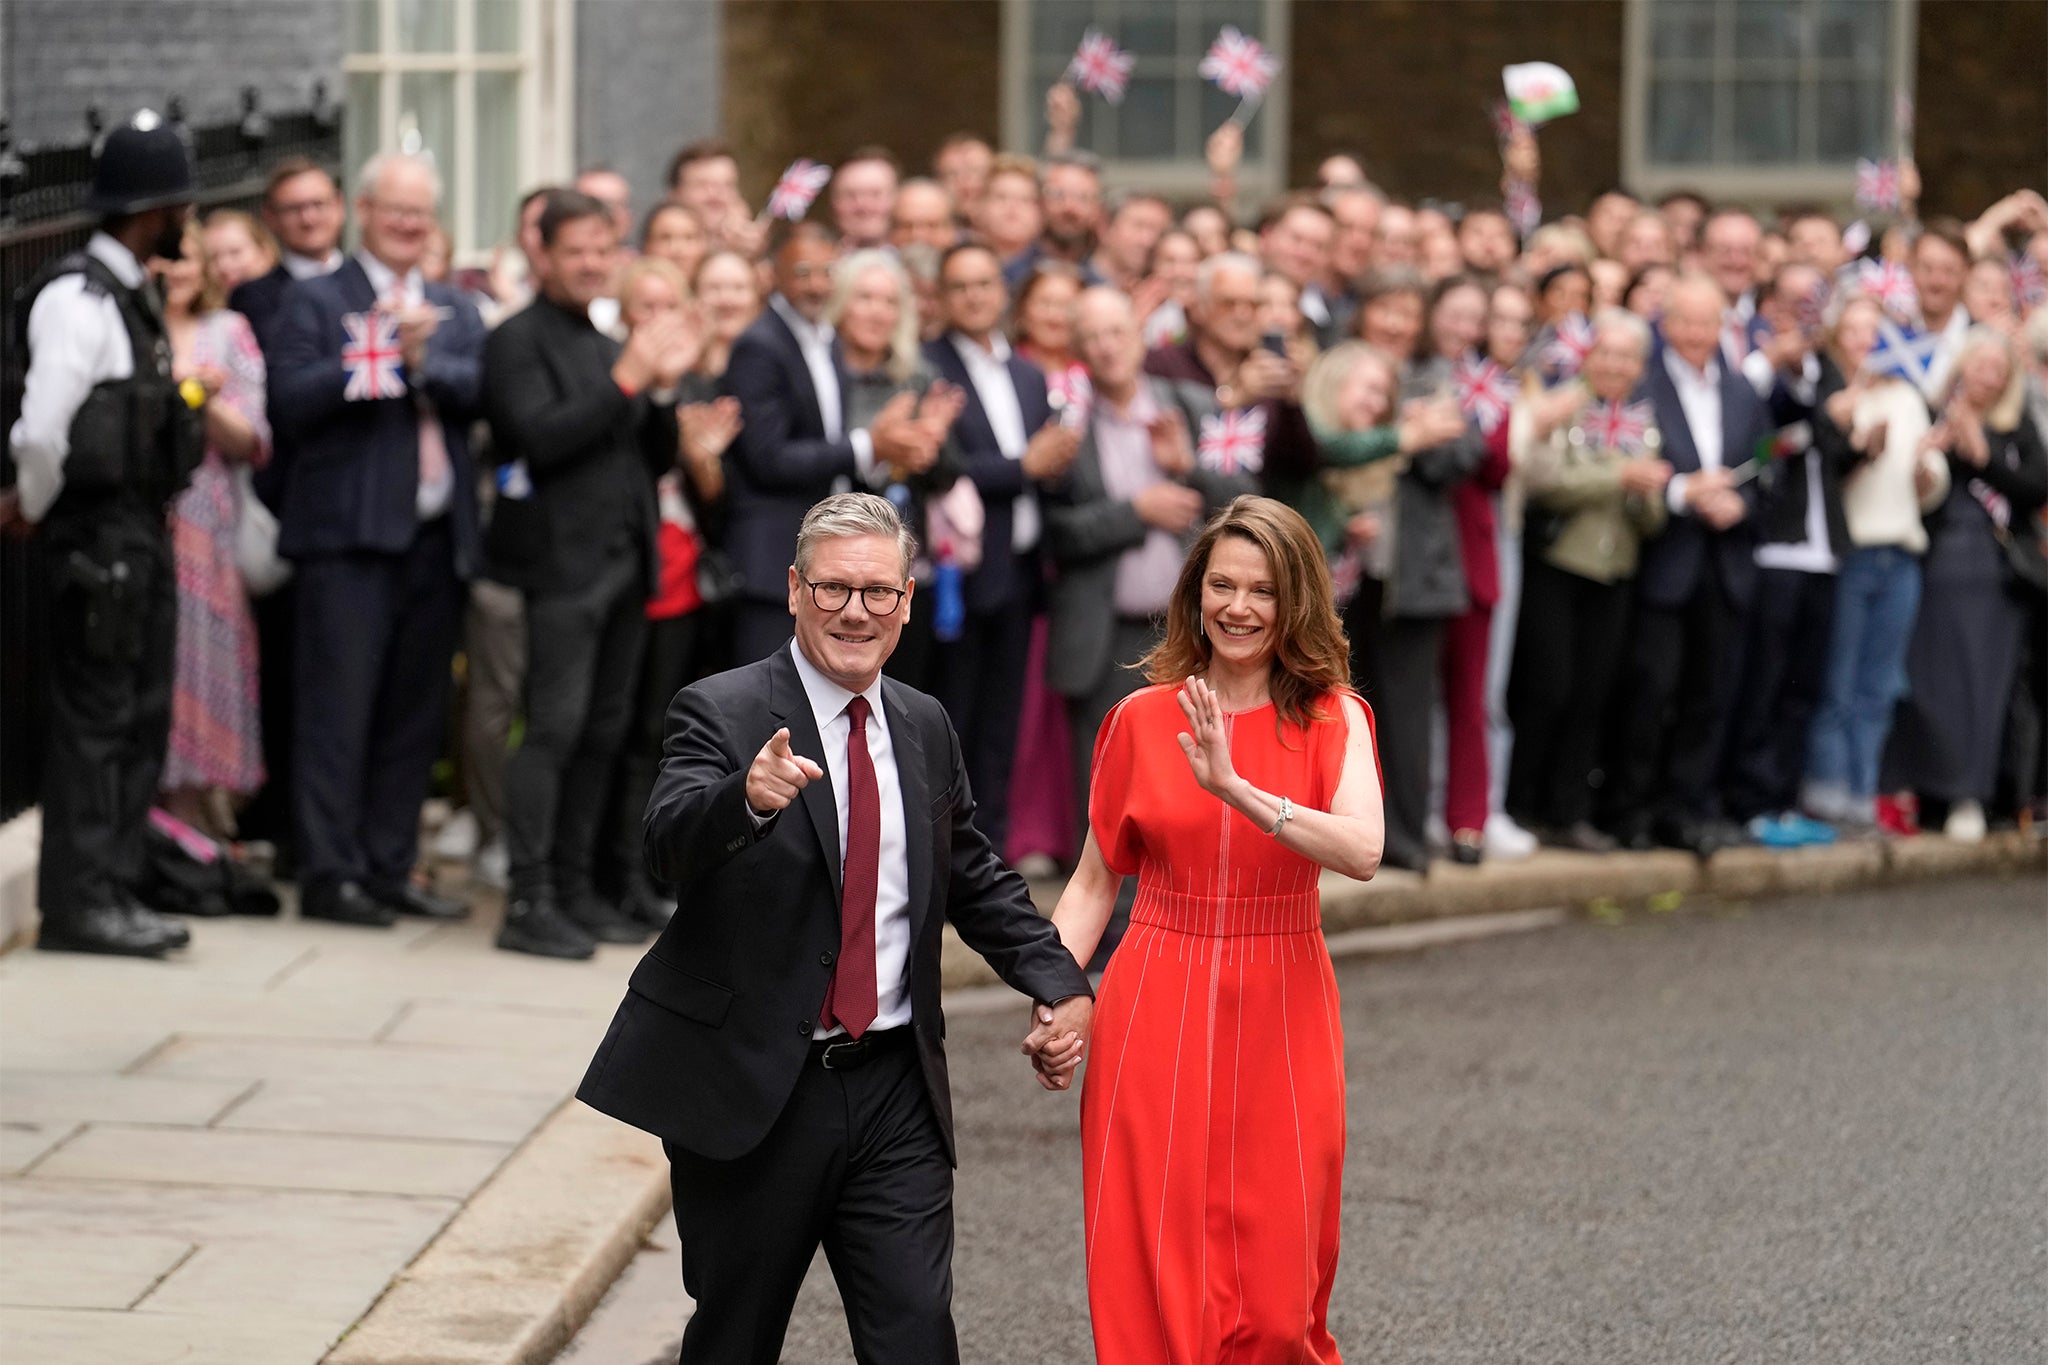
pixel 903 349
pixel 1621 320
pixel 373 172
pixel 852 514
pixel 1206 272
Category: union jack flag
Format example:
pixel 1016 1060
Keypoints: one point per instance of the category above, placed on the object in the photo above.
pixel 2029 289
pixel 1810 309
pixel 1233 442
pixel 1570 342
pixel 1877 184
pixel 1485 392
pixel 1071 395
pixel 1890 285
pixel 1239 65
pixel 371 357
pixel 1618 426
pixel 1101 67
pixel 798 189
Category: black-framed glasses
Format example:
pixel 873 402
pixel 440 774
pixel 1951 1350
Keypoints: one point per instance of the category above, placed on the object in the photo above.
pixel 879 598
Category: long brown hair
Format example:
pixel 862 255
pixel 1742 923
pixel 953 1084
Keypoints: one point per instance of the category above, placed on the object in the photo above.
pixel 1310 657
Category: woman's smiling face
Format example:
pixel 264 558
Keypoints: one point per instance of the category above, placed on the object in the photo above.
pixel 1240 604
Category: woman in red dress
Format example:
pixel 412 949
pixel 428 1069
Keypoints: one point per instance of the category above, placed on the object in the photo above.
pixel 1212 1116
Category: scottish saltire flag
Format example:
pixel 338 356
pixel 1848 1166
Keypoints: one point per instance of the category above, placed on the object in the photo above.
pixel 1101 67
pixel 1485 391
pixel 1233 442
pixel 1239 65
pixel 371 358
pixel 1539 91
pixel 798 189
pixel 1618 426
pixel 1891 285
pixel 1877 185
pixel 1903 351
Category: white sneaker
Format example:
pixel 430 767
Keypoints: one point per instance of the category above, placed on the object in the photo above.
pixel 1437 833
pixel 456 840
pixel 1507 840
pixel 492 865
pixel 1965 823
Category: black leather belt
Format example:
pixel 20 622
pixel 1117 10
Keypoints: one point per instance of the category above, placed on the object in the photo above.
pixel 847 1054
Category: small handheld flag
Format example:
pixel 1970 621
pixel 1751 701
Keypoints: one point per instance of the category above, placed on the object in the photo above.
pixel 1619 426
pixel 2029 289
pixel 371 357
pixel 1539 92
pixel 1903 351
pixel 1890 285
pixel 1485 393
pixel 1233 442
pixel 1877 185
pixel 1564 350
pixel 1101 67
pixel 1240 66
pixel 798 189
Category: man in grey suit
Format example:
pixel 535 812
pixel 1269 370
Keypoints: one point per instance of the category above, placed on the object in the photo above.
pixel 1120 521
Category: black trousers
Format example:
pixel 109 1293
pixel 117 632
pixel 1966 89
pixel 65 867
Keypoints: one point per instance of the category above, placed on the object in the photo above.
pixel 112 660
pixel 1677 675
pixel 1395 665
pixel 673 659
pixel 1567 649
pixel 269 813
pixel 759 629
pixel 855 1162
pixel 1784 668
pixel 979 679
pixel 582 669
pixel 376 638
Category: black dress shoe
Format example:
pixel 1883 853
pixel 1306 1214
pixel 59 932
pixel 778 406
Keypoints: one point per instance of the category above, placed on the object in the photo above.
pixel 539 927
pixel 602 920
pixel 1468 848
pixel 1583 837
pixel 116 930
pixel 346 903
pixel 1715 835
pixel 154 917
pixel 420 903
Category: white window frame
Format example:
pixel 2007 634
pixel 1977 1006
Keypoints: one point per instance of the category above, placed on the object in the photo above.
pixel 1183 177
pixel 1824 181
pixel 545 62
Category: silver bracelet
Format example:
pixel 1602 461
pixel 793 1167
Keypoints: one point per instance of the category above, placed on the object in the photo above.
pixel 1286 814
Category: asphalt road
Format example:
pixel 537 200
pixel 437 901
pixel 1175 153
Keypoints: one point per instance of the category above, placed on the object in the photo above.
pixel 1804 1131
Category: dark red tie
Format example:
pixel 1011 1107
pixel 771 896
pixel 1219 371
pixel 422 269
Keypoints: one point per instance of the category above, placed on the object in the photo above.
pixel 850 1000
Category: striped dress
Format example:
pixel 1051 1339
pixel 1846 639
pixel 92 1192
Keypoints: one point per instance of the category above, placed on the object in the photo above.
pixel 1212 1114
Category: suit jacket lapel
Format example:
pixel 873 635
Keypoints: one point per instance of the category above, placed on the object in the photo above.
pixel 799 368
pixel 1679 448
pixel 355 283
pixel 917 810
pixel 788 701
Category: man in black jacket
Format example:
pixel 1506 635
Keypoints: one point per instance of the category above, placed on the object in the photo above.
pixel 784 1037
pixel 581 427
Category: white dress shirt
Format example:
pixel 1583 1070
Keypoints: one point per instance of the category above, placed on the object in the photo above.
pixel 988 369
pixel 76 341
pixel 306 268
pixel 892 870
pixel 1946 353
pixel 433 498
pixel 1699 394
pixel 814 340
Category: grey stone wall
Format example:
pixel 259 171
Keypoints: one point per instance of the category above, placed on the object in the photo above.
pixel 60 55
pixel 648 76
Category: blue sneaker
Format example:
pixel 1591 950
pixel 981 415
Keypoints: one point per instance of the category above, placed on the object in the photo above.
pixel 1772 831
pixel 1806 829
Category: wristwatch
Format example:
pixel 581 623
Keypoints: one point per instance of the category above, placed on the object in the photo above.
pixel 1286 814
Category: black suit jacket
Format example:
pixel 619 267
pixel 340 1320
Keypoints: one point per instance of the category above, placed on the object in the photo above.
pixel 592 454
pixel 260 300
pixel 1674 564
pixel 1005 578
pixel 355 465
pixel 717 1020
pixel 780 463
pixel 1782 488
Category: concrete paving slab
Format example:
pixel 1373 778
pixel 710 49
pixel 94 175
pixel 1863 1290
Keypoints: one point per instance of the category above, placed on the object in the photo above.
pixel 83 1270
pixel 368 1064
pixel 284 1221
pixel 1746 873
pixel 287 1161
pixel 46 1097
pixel 59 1336
pixel 318 1105
pixel 447 1023
pixel 23 1144
pixel 99 1046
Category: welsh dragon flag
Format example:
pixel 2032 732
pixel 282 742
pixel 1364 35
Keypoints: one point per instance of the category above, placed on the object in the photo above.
pixel 1539 92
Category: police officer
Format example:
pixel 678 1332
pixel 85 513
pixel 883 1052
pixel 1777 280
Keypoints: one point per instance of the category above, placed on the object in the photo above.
pixel 106 437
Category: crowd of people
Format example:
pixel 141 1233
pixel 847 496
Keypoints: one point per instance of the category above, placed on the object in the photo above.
pixel 1654 524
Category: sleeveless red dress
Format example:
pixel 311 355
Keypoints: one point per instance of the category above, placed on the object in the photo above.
pixel 1212 1112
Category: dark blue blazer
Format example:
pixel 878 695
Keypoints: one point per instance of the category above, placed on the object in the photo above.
pixel 780 463
pixel 1004 578
pixel 355 466
pixel 1674 564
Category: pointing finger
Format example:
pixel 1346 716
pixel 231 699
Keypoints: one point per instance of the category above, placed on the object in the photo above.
pixel 811 771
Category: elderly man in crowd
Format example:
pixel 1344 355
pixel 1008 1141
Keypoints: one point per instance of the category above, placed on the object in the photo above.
pixel 923 216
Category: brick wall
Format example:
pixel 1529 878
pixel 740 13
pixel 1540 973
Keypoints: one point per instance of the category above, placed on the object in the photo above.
pixel 648 79
pixel 1983 102
pixel 60 55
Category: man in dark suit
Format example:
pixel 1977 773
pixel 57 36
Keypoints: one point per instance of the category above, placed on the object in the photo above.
pixel 1694 585
pixel 1009 443
pixel 584 427
pixel 784 1037
pixel 793 447
pixel 380 520
pixel 302 208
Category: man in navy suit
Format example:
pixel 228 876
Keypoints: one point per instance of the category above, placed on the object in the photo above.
pixel 380 518
pixel 1009 442
pixel 793 448
pixel 1694 585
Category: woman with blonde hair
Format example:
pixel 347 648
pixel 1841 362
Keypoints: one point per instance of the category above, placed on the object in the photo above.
pixel 1226 787
pixel 238 249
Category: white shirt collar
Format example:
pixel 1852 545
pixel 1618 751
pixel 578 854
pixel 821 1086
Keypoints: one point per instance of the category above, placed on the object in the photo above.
pixel 996 353
pixel 383 278
pixel 828 699
pixel 813 333
pixel 118 259
pixel 1682 372
pixel 306 268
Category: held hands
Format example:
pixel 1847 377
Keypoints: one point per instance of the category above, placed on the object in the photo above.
pixel 1208 746
pixel 777 775
pixel 1645 477
pixel 1051 450
pixel 1058 1037
pixel 902 441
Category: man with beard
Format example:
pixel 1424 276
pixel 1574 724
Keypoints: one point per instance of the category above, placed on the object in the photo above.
pixel 1070 192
